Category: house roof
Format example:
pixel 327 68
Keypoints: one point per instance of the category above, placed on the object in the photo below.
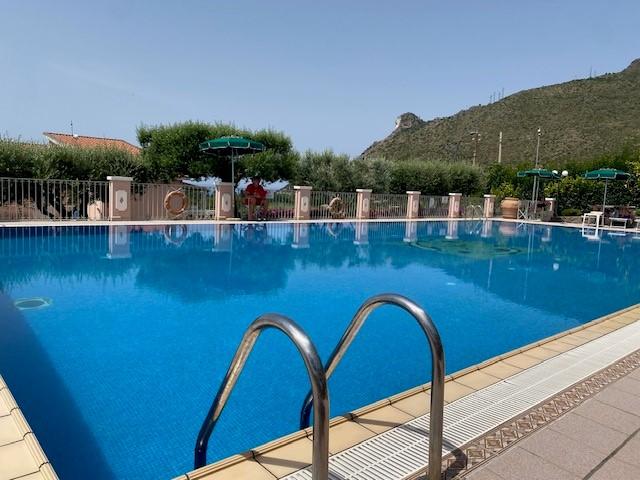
pixel 83 141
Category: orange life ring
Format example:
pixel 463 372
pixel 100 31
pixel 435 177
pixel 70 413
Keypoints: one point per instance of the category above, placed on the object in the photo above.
pixel 169 205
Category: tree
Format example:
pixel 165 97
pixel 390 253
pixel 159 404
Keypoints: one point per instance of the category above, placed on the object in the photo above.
pixel 172 151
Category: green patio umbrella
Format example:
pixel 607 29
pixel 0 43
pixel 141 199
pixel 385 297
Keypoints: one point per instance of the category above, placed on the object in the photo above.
pixel 233 147
pixel 606 174
pixel 537 174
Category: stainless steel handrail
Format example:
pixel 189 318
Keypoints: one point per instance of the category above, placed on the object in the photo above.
pixel 437 369
pixel 317 377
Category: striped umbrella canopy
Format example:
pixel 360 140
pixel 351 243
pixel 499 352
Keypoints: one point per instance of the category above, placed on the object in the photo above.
pixel 606 174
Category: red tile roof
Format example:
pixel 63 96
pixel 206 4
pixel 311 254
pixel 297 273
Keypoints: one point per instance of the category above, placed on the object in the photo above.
pixel 83 141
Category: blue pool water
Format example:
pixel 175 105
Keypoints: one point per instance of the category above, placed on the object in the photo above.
pixel 117 373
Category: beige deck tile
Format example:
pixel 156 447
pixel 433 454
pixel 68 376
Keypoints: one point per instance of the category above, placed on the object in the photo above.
pixel 454 391
pixel 416 405
pixel 383 419
pixel 626 320
pixel 602 327
pixel 477 380
pixel 287 459
pixel 541 353
pixel 575 340
pixel 9 431
pixel 16 461
pixel 522 361
pixel 501 370
pixel 345 435
pixel 245 470
pixel 557 346
pixel 588 334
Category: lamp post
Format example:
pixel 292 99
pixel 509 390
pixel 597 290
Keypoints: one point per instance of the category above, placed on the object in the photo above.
pixel 535 179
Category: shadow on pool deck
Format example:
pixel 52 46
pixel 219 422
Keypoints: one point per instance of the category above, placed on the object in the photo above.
pixel 44 400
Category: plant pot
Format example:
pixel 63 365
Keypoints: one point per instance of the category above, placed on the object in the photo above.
pixel 509 207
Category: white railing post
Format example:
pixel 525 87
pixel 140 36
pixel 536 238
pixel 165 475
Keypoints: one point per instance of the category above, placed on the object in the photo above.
pixel 302 202
pixel 489 206
pixel 413 204
pixel 119 197
pixel 363 203
pixel 224 200
pixel 455 199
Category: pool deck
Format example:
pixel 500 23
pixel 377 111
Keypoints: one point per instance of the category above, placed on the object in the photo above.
pixel 21 455
pixel 291 455
pixel 107 223
pixel 597 440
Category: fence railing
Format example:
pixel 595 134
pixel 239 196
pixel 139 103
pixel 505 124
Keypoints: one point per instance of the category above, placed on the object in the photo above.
pixel 148 202
pixel 332 205
pixel 35 199
pixel 471 207
pixel 433 207
pixel 42 200
pixel 279 206
pixel 388 205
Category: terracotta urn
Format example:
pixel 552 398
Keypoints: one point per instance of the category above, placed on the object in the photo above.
pixel 509 207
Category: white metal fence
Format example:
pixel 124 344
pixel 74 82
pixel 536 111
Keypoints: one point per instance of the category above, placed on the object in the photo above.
pixel 388 205
pixel 433 206
pixel 333 205
pixel 34 199
pixel 41 200
pixel 148 202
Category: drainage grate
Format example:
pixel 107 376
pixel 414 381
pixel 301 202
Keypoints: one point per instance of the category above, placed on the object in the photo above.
pixel 403 451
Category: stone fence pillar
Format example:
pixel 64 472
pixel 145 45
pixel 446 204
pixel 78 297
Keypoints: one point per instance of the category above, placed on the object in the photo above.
pixel 302 203
pixel 363 203
pixel 413 204
pixel 119 197
pixel 224 203
pixel 489 206
pixel 455 200
pixel 552 205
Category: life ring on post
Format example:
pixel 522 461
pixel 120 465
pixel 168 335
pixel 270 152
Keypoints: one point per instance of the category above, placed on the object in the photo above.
pixel 176 202
pixel 336 208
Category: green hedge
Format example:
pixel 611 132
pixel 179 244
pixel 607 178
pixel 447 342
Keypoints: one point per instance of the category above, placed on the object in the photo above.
pixel 41 161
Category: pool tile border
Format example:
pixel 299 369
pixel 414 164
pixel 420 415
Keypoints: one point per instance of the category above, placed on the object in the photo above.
pixel 458 385
pixel 470 456
pixel 20 452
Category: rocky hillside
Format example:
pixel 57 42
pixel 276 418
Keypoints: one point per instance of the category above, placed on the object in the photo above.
pixel 579 119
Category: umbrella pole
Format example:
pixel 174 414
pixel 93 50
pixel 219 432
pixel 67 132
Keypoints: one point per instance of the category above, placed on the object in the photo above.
pixel 233 183
pixel 604 200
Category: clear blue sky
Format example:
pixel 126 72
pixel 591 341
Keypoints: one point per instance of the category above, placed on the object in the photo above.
pixel 332 74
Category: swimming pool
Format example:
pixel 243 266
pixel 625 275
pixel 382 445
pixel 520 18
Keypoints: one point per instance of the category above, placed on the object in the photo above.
pixel 114 339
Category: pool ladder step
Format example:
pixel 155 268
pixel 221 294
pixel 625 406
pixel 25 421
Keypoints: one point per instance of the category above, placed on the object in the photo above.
pixel 318 396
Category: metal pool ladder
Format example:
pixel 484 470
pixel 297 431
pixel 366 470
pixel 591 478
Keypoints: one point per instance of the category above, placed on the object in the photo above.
pixel 319 391
pixel 437 369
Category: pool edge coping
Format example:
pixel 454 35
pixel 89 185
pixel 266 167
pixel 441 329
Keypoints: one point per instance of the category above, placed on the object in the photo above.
pixel 33 459
pixel 348 421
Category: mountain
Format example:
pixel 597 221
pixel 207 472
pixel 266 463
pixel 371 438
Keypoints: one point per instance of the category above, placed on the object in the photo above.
pixel 578 119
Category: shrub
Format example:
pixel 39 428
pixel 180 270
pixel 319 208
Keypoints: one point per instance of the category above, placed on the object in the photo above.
pixel 571 212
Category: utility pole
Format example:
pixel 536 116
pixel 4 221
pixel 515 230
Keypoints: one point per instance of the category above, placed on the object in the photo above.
pixel 72 128
pixel 475 138
pixel 500 147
